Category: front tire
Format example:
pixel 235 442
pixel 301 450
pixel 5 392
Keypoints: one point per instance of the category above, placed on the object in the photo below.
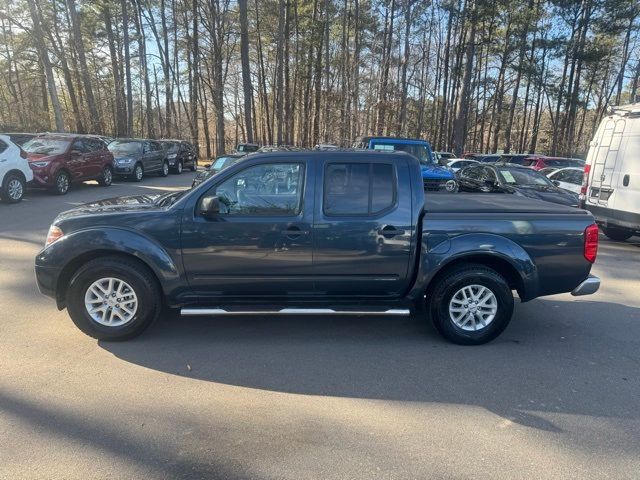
pixel 179 167
pixel 106 179
pixel 470 305
pixel 617 234
pixel 194 165
pixel 13 188
pixel 62 182
pixel 164 171
pixel 138 172
pixel 113 298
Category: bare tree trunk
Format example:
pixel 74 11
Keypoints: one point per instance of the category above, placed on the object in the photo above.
pixel 127 66
pixel 94 116
pixel 462 110
pixel 43 53
pixel 246 71
pixel 402 119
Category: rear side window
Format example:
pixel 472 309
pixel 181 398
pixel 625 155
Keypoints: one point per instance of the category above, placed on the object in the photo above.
pixel 358 188
pixel 3 146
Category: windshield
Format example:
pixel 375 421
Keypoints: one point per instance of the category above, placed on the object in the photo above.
pixel 172 147
pixel 46 146
pixel 124 146
pixel 522 176
pixel 419 151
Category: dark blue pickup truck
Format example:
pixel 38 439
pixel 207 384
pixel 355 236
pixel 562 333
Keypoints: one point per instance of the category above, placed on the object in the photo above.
pixel 340 232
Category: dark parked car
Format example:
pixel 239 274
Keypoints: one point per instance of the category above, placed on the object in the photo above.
pixel 315 232
pixel 247 148
pixel 135 158
pixel 220 163
pixel 57 160
pixel 180 155
pixel 507 178
pixel 483 157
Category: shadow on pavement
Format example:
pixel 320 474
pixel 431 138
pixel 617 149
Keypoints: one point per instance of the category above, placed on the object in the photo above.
pixel 544 362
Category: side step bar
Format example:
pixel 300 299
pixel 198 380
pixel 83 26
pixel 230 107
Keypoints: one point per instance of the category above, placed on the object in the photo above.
pixel 291 311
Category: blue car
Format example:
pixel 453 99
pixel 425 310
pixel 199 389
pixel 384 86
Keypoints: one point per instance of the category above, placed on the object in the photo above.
pixel 434 177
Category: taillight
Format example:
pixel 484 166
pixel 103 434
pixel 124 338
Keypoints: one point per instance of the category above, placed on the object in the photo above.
pixel 591 242
pixel 55 233
pixel 585 182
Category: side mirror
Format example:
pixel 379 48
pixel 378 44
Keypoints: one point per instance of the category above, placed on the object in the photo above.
pixel 490 183
pixel 209 206
pixel 207 165
pixel 556 183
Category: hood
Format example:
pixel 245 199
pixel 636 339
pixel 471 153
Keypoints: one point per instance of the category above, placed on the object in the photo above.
pixel 436 172
pixel 35 157
pixel 548 194
pixel 133 203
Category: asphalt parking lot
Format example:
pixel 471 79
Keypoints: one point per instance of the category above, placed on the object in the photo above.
pixel 556 396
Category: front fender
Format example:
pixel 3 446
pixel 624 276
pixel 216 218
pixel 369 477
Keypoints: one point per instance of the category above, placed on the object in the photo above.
pixel 439 251
pixel 85 244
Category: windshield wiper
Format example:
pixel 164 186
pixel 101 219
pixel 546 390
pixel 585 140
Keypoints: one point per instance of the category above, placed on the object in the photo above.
pixel 169 198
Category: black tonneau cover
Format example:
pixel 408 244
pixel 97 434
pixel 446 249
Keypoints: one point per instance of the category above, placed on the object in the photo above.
pixel 491 203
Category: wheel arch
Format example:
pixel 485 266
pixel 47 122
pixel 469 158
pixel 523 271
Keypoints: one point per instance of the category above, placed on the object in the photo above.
pixel 74 265
pixel 15 171
pixel 69 253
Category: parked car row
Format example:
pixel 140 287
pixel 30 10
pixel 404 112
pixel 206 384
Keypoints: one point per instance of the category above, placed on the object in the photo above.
pixel 55 160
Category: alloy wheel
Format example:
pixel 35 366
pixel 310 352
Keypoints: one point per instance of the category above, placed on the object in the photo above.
pixel 15 190
pixel 111 302
pixel 473 307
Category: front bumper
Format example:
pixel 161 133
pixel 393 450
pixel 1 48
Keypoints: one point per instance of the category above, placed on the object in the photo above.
pixel 588 287
pixel 123 169
pixel 46 279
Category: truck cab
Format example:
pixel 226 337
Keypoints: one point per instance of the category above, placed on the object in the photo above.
pixel 435 178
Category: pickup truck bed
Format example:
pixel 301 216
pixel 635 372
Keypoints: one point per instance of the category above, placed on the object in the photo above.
pixel 473 203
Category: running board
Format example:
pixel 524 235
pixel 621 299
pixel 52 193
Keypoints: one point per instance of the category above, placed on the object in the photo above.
pixel 290 311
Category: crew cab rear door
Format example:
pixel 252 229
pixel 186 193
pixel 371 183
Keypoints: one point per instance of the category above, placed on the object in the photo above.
pixel 363 227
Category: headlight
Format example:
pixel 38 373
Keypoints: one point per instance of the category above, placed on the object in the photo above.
pixel 124 160
pixel 40 164
pixel 55 233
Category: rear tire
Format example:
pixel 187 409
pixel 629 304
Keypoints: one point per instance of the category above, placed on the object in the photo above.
pixel 62 182
pixel 617 234
pixel 106 179
pixel 139 283
pixel 463 318
pixel 194 166
pixel 13 187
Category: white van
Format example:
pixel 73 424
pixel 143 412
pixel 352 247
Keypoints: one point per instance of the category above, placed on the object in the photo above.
pixel 611 186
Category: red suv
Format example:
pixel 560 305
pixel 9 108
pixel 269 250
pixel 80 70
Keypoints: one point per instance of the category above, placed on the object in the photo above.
pixel 57 160
pixel 538 162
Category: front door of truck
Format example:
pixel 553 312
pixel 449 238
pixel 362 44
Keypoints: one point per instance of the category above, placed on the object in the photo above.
pixel 363 227
pixel 259 245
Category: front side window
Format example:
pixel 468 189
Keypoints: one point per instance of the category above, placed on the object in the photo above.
pixel 268 189
pixel 358 188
